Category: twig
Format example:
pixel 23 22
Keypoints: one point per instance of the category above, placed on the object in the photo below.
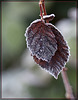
pixel 41 14
pixel 68 88
pixel 42 7
pixel 69 93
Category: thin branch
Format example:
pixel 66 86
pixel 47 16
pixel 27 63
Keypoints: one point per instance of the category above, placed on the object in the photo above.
pixel 68 88
pixel 42 7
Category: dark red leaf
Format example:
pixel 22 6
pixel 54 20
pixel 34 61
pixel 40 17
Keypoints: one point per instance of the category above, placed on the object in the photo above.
pixel 48 47
pixel 41 40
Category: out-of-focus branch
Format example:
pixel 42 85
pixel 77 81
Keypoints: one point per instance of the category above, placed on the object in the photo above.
pixel 68 88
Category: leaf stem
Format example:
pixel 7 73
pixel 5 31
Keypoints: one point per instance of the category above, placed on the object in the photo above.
pixel 42 7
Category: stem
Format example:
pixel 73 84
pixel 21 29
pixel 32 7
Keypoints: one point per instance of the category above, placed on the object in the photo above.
pixel 42 7
pixel 68 88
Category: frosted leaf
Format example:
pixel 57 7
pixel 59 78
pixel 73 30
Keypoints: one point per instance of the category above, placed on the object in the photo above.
pixel 49 17
pixel 58 61
pixel 47 45
pixel 41 40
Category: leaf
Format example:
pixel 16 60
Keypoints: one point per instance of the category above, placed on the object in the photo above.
pixel 41 40
pixel 48 47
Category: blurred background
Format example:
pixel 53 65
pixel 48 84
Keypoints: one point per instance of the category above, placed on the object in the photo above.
pixel 21 76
